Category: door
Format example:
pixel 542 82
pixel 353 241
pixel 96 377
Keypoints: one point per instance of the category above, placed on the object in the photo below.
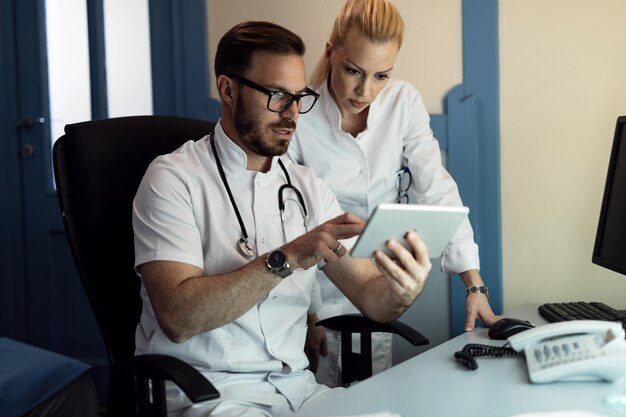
pixel 41 299
pixel 57 313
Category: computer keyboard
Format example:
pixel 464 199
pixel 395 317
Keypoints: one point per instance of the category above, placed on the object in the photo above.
pixel 580 310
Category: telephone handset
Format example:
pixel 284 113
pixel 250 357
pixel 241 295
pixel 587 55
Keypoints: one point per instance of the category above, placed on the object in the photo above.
pixel 581 350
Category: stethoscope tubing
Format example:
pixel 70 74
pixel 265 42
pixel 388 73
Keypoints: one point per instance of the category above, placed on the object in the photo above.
pixel 246 245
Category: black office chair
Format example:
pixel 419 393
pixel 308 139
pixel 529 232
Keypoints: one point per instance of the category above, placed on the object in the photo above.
pixel 98 166
pixel 357 366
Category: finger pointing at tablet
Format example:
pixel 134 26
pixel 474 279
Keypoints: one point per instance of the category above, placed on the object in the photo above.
pixel 322 243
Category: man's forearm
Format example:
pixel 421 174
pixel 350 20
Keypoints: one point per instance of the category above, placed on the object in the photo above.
pixel 379 304
pixel 201 303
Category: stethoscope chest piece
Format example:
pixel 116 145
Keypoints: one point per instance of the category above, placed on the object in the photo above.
pixel 247 247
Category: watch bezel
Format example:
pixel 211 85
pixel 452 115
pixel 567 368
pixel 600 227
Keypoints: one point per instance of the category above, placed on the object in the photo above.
pixel 279 266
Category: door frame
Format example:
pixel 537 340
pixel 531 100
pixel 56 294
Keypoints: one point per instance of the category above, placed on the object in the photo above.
pixel 12 282
pixel 180 63
pixel 473 136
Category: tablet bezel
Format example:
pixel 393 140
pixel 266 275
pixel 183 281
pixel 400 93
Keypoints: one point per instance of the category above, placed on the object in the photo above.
pixel 435 224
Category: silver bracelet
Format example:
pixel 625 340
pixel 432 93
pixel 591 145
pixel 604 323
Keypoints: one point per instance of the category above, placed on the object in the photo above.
pixel 477 288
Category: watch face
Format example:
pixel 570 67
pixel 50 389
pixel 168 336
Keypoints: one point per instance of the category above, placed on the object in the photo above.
pixel 277 259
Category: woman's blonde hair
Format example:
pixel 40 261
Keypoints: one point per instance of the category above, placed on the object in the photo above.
pixel 378 20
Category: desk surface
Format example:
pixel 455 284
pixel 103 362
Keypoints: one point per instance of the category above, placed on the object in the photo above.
pixel 434 384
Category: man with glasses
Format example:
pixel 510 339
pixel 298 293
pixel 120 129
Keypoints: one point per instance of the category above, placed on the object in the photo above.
pixel 229 234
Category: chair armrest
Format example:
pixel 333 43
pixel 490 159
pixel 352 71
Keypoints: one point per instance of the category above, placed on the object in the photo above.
pixel 168 368
pixel 357 366
pixel 356 323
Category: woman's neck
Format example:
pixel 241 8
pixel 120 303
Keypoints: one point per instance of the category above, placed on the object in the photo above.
pixel 354 123
pixel 350 123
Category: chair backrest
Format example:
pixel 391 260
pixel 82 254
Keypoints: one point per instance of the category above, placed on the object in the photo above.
pixel 98 166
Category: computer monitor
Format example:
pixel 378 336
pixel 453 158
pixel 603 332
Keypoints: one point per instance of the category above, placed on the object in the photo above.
pixel 610 248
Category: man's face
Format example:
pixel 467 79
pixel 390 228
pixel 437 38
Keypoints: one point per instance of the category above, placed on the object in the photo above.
pixel 261 131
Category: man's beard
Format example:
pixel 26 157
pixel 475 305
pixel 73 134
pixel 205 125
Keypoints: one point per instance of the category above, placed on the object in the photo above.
pixel 251 134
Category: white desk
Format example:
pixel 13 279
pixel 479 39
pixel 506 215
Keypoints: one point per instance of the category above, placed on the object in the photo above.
pixel 434 384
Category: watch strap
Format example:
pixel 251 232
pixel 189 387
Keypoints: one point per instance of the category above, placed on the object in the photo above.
pixel 477 288
pixel 284 272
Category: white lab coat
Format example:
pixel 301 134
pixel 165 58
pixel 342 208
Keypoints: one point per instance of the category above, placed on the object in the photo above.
pixel 363 172
pixel 182 213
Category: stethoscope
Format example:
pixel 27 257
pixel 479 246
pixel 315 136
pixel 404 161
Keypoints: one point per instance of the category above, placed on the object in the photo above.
pixel 245 244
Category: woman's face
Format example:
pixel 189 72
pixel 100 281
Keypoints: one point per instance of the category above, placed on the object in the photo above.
pixel 359 71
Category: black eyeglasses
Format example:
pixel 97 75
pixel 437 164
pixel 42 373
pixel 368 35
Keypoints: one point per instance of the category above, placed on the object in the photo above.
pixel 279 101
pixel 403 182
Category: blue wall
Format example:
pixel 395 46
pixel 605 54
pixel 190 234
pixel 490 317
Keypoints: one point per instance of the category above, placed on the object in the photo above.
pixel 470 133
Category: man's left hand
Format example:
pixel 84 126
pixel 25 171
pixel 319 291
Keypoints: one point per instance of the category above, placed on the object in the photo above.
pixel 315 343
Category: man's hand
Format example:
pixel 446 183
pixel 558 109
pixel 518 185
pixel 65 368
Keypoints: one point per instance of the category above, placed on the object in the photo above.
pixel 408 271
pixel 315 344
pixel 323 241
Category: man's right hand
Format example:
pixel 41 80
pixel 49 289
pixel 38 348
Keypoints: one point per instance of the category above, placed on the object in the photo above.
pixel 323 241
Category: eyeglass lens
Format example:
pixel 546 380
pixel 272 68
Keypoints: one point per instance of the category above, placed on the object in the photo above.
pixel 280 101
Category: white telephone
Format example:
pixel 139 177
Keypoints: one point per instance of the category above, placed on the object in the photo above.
pixel 581 350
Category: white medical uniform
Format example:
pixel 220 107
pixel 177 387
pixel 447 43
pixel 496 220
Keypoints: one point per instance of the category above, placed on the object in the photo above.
pixel 363 172
pixel 182 213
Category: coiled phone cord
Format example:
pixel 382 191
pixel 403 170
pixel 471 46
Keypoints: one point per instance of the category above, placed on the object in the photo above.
pixel 471 351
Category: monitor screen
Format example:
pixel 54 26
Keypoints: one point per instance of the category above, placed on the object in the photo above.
pixel 610 247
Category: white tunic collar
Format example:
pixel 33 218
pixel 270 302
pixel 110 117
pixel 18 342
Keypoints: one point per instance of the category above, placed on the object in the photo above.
pixel 334 115
pixel 229 152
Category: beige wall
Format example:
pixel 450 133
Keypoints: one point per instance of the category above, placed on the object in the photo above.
pixel 562 85
pixel 431 57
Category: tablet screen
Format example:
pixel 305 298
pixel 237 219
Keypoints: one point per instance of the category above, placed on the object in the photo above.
pixel 435 224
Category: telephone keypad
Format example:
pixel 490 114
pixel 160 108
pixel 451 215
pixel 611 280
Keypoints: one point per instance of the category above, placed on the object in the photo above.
pixel 555 353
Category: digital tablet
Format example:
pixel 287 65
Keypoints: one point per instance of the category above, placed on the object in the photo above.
pixel 435 224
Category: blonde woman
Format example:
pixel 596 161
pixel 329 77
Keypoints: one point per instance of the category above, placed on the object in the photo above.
pixel 369 138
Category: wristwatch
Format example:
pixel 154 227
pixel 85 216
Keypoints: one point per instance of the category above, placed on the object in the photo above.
pixel 477 288
pixel 278 263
